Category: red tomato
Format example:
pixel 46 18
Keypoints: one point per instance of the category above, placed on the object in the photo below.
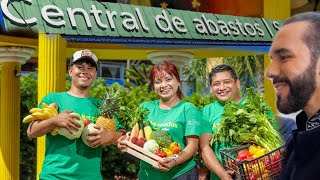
pixel 86 121
pixel 244 154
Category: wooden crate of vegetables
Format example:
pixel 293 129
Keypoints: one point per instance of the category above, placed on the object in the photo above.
pixel 250 123
pixel 253 162
pixel 147 144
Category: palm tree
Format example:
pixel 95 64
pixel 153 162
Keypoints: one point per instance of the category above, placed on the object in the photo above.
pixel 196 72
pixel 249 70
pixel 137 74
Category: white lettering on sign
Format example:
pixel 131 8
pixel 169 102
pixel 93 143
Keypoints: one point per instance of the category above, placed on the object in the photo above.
pixel 129 21
pixel 276 25
pixel 239 24
pixel 234 29
pixel 250 29
pixel 167 26
pixel 212 26
pixel 5 10
pixel 178 24
pixel 167 21
pixel 110 16
pixel 164 18
pixel 80 11
pixel 54 12
pixel 224 28
pixel 261 32
pixel 206 26
pixel 200 27
pixel 144 27
pixel 96 13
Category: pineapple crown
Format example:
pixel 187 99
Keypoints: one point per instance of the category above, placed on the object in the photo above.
pixel 110 103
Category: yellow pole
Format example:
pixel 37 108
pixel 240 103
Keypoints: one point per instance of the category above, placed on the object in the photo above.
pixel 51 76
pixel 11 59
pixel 10 121
pixel 278 10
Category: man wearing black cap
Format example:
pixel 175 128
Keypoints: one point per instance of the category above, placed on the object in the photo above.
pixel 67 158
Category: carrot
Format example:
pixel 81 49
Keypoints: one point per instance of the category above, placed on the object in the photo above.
pixel 134 131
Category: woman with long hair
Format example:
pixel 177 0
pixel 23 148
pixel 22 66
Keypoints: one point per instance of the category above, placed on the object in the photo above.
pixel 180 119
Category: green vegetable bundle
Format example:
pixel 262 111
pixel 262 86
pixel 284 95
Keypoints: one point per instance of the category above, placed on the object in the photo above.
pixel 162 138
pixel 248 123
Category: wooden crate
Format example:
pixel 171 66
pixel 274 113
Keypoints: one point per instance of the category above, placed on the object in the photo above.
pixel 142 154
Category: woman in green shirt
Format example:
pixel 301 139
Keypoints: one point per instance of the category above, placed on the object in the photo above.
pixel 180 119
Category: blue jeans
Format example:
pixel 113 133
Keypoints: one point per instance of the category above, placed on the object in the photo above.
pixel 192 174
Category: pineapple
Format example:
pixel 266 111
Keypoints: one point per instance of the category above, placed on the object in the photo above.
pixel 108 108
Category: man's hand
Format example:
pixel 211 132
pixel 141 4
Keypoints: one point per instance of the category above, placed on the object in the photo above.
pixel 66 120
pixel 121 144
pixel 230 174
pixel 166 164
pixel 101 137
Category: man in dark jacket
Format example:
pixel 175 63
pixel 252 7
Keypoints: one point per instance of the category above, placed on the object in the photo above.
pixel 295 73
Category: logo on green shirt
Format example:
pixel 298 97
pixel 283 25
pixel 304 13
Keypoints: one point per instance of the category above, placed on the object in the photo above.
pixel 160 125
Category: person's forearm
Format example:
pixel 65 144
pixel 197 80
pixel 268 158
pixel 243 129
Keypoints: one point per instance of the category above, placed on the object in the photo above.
pixel 187 153
pixel 40 128
pixel 212 162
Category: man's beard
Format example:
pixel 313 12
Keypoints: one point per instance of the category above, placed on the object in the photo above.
pixel 301 90
pixel 83 87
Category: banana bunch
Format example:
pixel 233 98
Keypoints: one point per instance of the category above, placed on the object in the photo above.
pixel 41 114
pixel 46 112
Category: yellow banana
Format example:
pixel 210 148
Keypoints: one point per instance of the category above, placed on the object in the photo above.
pixel 44 105
pixel 28 118
pixel 54 131
pixel 38 115
pixel 33 110
pixel 52 110
pixel 47 114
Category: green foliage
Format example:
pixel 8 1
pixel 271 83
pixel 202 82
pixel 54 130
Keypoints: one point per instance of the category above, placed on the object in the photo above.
pixel 133 97
pixel 99 88
pixel 135 115
pixel 138 75
pixel 114 163
pixel 28 93
pixel 248 123
pixel 198 100
pixel 196 72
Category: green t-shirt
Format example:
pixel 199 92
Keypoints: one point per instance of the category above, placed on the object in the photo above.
pixel 71 159
pixel 180 121
pixel 212 113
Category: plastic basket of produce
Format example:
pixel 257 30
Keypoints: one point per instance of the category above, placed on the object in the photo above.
pixel 253 162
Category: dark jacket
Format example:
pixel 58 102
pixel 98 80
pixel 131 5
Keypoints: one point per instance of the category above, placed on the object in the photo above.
pixel 303 151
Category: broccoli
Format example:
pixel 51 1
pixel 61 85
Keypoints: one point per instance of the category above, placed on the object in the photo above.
pixel 162 138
